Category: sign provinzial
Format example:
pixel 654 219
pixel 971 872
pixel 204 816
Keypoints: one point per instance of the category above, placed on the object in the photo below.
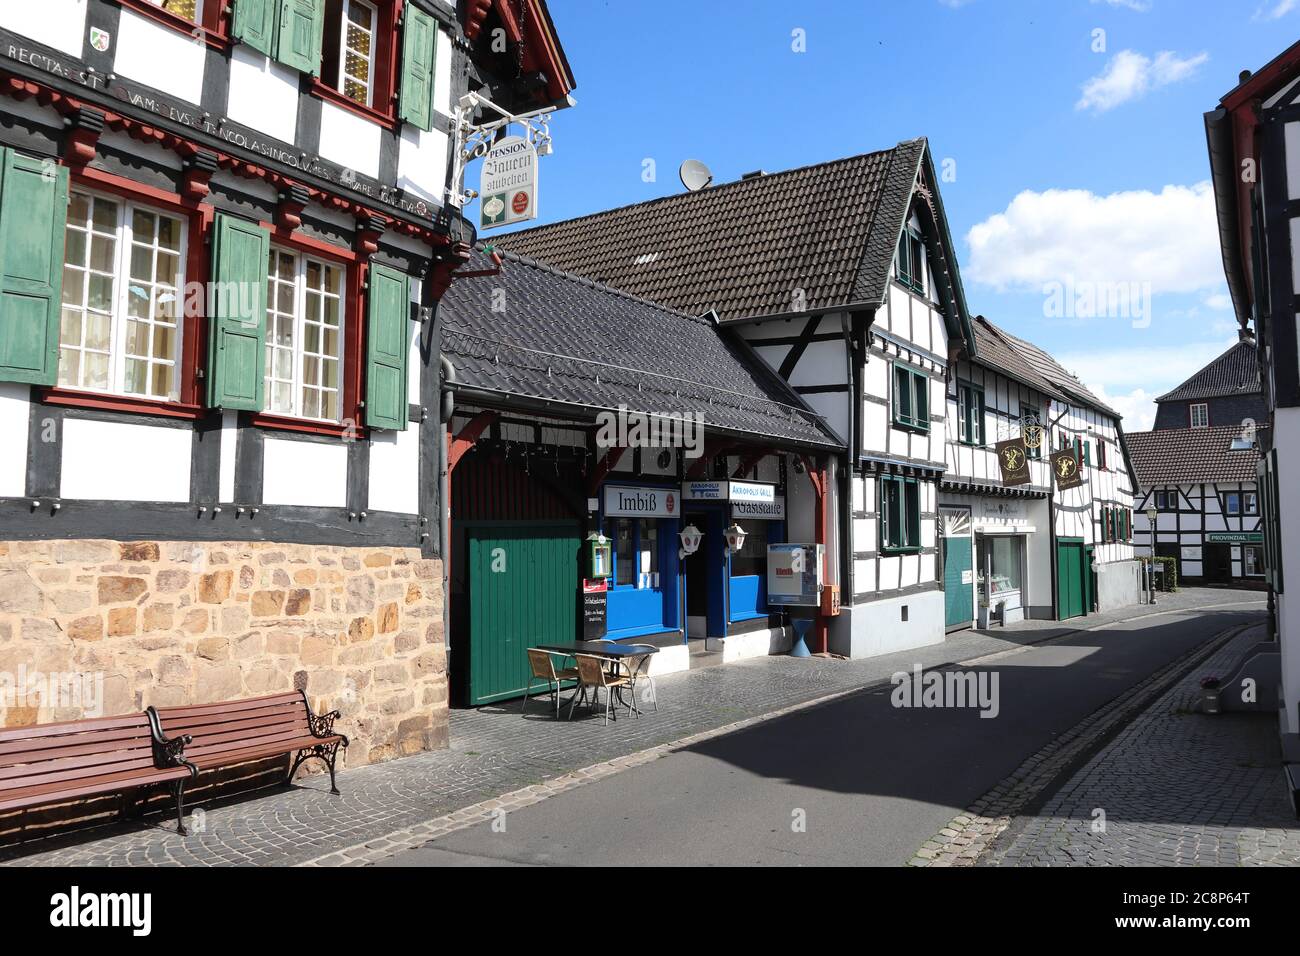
pixel 1013 461
pixel 1066 469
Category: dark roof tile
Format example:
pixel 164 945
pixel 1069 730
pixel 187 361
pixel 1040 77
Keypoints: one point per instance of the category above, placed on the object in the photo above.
pixel 1235 372
pixel 1178 456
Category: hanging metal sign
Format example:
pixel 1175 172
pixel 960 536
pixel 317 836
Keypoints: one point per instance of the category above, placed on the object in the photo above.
pixel 1066 469
pixel 1013 461
pixel 508 188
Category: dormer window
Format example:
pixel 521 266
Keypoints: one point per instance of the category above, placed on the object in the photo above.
pixel 909 263
pixel 1200 415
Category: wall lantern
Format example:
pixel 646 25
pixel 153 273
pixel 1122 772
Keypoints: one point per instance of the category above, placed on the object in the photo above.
pixel 1152 514
pixel 735 538
pixel 691 539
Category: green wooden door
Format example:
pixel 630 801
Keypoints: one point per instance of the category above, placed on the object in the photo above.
pixel 958 581
pixel 523 591
pixel 1070 586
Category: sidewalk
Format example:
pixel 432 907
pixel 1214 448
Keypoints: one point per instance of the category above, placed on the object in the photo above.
pixel 495 751
pixel 1176 787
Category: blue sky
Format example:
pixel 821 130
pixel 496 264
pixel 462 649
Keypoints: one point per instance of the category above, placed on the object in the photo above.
pixel 1079 159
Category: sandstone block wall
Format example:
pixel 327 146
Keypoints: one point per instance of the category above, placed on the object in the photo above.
pixel 168 623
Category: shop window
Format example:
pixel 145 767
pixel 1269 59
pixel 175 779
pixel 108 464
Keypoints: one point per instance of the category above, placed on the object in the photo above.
pixel 1200 415
pixel 1001 559
pixel 304 337
pixel 911 398
pixel 348 54
pixel 751 560
pixel 900 514
pixel 636 551
pixel 123 280
pixel 970 414
pixel 1252 560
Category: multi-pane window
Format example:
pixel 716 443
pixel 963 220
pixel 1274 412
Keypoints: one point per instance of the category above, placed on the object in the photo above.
pixel 123 285
pixel 1166 500
pixel 1253 558
pixel 911 398
pixel 910 261
pixel 304 336
pixel 189 9
pixel 900 514
pixel 1200 414
pixel 349 54
pixel 970 414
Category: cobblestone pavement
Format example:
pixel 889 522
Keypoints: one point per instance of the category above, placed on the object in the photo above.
pixel 1176 787
pixel 495 752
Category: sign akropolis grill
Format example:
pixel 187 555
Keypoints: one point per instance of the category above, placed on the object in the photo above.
pixel 1066 469
pixel 1013 461
pixel 508 188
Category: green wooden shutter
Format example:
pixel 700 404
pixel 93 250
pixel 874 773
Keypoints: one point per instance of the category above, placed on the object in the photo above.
pixel 237 348
pixel 33 216
pixel 419 51
pixel 302 30
pixel 255 23
pixel 387 346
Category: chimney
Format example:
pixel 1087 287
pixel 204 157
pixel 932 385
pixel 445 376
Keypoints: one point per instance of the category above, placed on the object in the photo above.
pixel 756 174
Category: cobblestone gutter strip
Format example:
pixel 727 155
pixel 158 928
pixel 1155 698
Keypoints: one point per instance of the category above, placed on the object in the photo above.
pixel 971 834
pixel 417 836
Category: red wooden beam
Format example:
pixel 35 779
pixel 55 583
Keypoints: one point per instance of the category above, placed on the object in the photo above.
pixel 469 435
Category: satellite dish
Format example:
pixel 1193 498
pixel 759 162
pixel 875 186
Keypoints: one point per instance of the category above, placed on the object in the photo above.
pixel 695 175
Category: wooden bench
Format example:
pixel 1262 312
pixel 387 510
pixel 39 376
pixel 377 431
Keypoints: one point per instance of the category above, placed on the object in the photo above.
pixel 60 762
pixel 239 731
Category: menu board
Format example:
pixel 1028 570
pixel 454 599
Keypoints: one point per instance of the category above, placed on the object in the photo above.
pixel 594 608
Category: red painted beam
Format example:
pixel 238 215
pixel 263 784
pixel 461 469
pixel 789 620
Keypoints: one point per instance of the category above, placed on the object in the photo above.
pixel 469 435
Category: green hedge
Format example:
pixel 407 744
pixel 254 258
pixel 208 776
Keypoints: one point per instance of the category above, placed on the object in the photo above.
pixel 1169 575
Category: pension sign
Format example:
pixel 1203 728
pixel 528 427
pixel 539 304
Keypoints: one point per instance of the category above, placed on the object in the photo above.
pixel 508 188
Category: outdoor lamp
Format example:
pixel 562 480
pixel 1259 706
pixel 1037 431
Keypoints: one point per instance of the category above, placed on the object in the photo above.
pixel 1152 514
pixel 735 538
pixel 691 539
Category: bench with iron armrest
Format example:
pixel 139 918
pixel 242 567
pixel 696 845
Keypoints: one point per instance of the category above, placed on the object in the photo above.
pixel 238 731
pixel 75 759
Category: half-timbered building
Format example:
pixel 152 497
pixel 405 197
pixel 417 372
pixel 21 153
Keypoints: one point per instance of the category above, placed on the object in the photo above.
pixel 842 277
pixel 1255 172
pixel 224 229
pixel 1196 469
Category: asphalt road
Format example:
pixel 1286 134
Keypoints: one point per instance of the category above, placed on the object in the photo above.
pixel 871 781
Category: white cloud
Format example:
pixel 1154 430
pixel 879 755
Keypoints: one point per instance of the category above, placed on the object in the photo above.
pixel 1218 301
pixel 1141 6
pixel 1130 75
pixel 1129 379
pixel 1277 11
pixel 1168 239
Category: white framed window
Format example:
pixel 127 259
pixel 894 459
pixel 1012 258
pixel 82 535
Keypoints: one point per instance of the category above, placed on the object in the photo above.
pixel 348 62
pixel 304 336
pixel 189 9
pixel 1253 560
pixel 123 287
pixel 1200 413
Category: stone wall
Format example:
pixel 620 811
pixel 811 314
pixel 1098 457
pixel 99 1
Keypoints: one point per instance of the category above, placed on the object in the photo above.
pixel 168 623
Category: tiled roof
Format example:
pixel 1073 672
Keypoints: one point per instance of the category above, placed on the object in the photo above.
pixel 534 332
pixel 1023 360
pixel 1235 372
pixel 1177 456
pixel 743 248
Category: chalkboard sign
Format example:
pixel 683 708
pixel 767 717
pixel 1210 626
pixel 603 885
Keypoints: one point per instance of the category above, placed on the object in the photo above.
pixel 594 606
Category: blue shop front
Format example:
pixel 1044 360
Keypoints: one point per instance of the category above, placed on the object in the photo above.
pixel 689 558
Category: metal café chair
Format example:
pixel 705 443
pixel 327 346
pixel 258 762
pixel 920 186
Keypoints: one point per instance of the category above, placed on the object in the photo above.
pixel 593 673
pixel 640 671
pixel 542 666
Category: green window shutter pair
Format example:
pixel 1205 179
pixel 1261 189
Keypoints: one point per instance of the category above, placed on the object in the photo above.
pixel 289 30
pixel 33 217
pixel 237 348
pixel 419 53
